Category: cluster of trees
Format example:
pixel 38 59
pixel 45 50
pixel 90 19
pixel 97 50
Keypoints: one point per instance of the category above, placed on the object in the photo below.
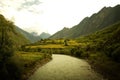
pixel 8 69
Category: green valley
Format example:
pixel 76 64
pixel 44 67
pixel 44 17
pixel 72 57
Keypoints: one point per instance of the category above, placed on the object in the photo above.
pixel 101 49
pixel 95 41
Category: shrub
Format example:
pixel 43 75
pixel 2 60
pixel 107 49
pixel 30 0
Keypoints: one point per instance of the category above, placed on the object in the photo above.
pixel 77 51
pixel 14 69
pixel 116 54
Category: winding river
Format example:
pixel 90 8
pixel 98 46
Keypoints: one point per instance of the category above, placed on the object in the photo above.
pixel 63 67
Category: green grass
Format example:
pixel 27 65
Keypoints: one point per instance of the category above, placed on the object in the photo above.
pixel 53 44
pixel 29 58
pixel 26 62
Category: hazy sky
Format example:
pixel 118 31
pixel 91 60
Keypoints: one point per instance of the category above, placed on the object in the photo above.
pixel 50 15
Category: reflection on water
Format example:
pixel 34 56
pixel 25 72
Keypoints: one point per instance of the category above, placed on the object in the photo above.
pixel 64 67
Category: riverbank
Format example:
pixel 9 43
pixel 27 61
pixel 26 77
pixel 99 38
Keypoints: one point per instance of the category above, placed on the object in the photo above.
pixel 32 69
pixel 105 66
pixel 28 62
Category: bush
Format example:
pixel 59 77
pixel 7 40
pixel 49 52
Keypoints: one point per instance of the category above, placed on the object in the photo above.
pixel 14 69
pixel 11 70
pixel 77 51
pixel 116 54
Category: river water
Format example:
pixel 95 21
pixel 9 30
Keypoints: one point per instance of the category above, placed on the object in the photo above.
pixel 63 67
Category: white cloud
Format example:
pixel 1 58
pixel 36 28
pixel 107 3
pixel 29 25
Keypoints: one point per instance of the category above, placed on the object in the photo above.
pixel 50 15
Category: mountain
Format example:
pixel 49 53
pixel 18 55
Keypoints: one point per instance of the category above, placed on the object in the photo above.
pixel 28 35
pixel 34 33
pixel 61 34
pixel 107 38
pixel 105 17
pixel 8 31
pixel 44 35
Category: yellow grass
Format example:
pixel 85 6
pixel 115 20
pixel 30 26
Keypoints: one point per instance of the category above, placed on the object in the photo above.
pixel 57 44
pixel 47 46
pixel 28 61
pixel 73 43
pixel 28 58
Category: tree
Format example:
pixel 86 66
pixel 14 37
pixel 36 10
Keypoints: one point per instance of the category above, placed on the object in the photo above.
pixel 65 42
pixel 6 47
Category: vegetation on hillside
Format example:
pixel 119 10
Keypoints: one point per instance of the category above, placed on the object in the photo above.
pixel 6 49
pixel 105 17
pixel 103 51
pixel 9 30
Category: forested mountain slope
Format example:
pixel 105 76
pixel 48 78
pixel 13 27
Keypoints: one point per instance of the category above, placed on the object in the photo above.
pixel 7 31
pixel 105 17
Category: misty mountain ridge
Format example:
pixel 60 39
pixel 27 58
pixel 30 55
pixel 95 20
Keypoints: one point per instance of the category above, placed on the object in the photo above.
pixel 44 35
pixel 33 36
pixel 105 17
pixel 34 33
pixel 28 35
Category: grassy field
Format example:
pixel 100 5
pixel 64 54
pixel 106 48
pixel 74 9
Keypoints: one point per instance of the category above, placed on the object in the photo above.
pixel 58 43
pixel 28 62
pixel 47 46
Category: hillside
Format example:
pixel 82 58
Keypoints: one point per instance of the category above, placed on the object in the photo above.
pixel 61 34
pixel 98 21
pixel 102 48
pixel 7 27
pixel 28 35
pixel 106 40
